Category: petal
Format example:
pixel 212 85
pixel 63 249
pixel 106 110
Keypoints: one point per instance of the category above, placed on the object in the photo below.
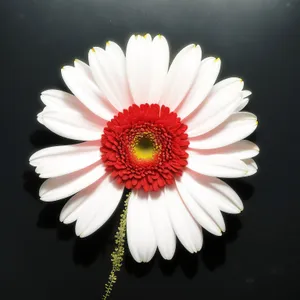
pixel 241 149
pixel 181 76
pixel 214 191
pixel 228 81
pixel 115 51
pixel 198 212
pixel 246 93
pixel 61 160
pixel 147 65
pixel 64 186
pixel 138 65
pixel 110 77
pixel 72 208
pixel 217 107
pixel 187 230
pixel 84 69
pixel 208 72
pixel 97 207
pixel 87 92
pixel 118 60
pixel 140 233
pixel 252 166
pixel 164 233
pixel 237 127
pixel 244 100
pixel 217 165
pixel 189 185
pixel 71 125
pixel 159 68
pixel 56 100
pixel 242 104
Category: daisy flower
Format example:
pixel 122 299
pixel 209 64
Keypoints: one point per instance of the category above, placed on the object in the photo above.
pixel 164 132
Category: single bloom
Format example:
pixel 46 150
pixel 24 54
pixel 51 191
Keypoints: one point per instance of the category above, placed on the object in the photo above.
pixel 164 132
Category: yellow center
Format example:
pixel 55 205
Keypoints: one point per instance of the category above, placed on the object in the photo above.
pixel 143 148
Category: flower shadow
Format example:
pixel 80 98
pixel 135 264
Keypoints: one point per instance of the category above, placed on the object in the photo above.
pixel 45 138
pixel 87 250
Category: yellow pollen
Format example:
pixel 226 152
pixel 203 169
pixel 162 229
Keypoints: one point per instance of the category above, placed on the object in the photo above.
pixel 107 43
pixel 144 148
pixel 217 59
pixel 93 49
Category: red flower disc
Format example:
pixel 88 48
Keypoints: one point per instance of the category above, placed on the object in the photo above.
pixel 144 147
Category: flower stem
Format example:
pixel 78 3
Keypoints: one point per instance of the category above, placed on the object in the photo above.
pixel 117 256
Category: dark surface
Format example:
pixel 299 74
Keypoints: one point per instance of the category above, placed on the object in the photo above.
pixel 259 256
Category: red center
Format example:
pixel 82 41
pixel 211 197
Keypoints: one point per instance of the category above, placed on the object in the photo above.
pixel 144 147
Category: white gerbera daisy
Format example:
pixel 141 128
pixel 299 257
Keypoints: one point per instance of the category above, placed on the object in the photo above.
pixel 164 132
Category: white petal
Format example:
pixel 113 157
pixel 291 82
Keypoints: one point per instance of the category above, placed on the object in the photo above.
pixel 217 165
pixel 115 51
pixel 159 68
pixel 181 76
pixel 71 125
pixel 187 230
pixel 242 149
pixel 84 68
pixel 109 77
pixel 140 233
pixel 208 72
pixel 214 191
pixel 208 207
pixel 228 81
pixel 217 107
pixel 246 93
pixel 60 101
pixel 98 206
pixel 72 208
pixel 118 69
pixel 147 65
pixel 87 92
pixel 164 233
pixel 64 186
pixel 61 160
pixel 198 212
pixel 237 127
pixel 252 166
pixel 242 104
pixel 138 64
pixel 56 99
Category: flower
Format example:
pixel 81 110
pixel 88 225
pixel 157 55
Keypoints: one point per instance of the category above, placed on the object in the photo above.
pixel 164 132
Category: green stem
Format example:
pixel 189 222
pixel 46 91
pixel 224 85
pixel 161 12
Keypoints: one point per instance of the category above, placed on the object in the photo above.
pixel 117 255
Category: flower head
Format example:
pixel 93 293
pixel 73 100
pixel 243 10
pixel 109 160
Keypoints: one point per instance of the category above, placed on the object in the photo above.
pixel 164 132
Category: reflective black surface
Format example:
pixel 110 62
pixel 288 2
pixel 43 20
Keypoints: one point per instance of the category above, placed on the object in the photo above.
pixel 259 256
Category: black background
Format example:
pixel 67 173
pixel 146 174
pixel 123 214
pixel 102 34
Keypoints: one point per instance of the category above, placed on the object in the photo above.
pixel 259 256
